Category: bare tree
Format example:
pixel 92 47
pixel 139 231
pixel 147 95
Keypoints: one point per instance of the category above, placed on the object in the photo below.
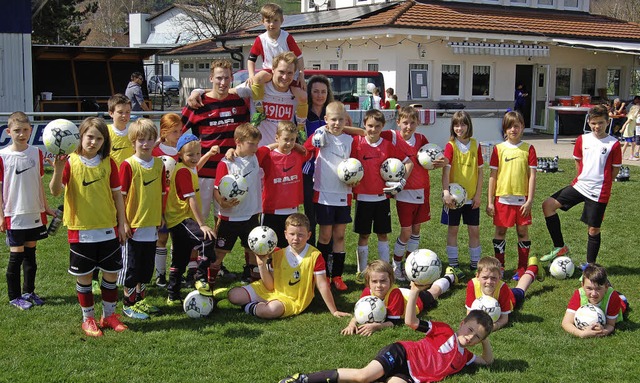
pixel 618 9
pixel 210 18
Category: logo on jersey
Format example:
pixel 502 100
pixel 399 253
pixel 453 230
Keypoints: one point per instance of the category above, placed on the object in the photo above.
pixel 284 170
pixel 369 157
pixel 296 278
pixel 115 149
pixel 280 180
pixel 603 151
pixel 87 183
pixel 221 122
pixel 23 170
pixel 145 183
pixel 509 159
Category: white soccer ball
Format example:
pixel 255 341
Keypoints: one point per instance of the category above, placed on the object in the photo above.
pixel 350 171
pixel 588 315
pixel 489 305
pixel 429 153
pixel 392 170
pixel 562 268
pixel 233 186
pixel 169 165
pixel 262 240
pixel 459 194
pixel 370 309
pixel 423 267
pixel 61 136
pixel 197 305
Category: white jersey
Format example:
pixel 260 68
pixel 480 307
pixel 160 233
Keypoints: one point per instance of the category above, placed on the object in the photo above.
pixel 597 159
pixel 328 187
pixel 21 187
pixel 249 168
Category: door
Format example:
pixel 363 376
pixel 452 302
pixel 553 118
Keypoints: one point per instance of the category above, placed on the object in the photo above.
pixel 540 97
pixel 524 85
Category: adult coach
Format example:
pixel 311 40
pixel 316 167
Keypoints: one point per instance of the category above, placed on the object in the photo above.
pixel 134 92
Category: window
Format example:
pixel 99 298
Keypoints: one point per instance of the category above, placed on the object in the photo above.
pixel 519 2
pixel 314 65
pixel 188 67
pixel 450 82
pixel 333 66
pixel 613 82
pixel 635 81
pixel 373 67
pixel 352 66
pixel 481 81
pixel 588 81
pixel 571 3
pixel 563 81
pixel 203 67
pixel 546 3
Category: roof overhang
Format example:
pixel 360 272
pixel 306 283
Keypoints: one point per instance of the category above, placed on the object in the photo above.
pixel 607 46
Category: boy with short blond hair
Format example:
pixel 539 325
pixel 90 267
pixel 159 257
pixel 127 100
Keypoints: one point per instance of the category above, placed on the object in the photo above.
pixel 286 287
pixel 24 208
pixel 143 184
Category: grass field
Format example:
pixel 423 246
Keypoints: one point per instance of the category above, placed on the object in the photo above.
pixel 45 344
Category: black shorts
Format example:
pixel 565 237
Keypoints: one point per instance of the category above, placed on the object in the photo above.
pixel 86 257
pixel 332 215
pixel 428 301
pixel 17 237
pixel 185 237
pixel 451 217
pixel 592 212
pixel 138 262
pixel 393 359
pixel 229 231
pixel 376 213
pixel 276 222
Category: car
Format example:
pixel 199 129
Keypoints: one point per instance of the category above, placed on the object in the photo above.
pixel 164 84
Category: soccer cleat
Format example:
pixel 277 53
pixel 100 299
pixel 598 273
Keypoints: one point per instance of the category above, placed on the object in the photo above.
pixel 339 283
pixel 246 274
pixel 398 273
pixel 225 273
pixel 161 280
pixel 33 298
pixel 20 303
pixel 295 378
pixel 174 302
pixel 134 312
pixel 204 288
pixel 556 252
pixel 518 273
pixel 112 321
pixel 360 278
pixel 90 327
pixel 457 273
pixel 95 287
pixel 147 308
pixel 220 293
pixel 540 275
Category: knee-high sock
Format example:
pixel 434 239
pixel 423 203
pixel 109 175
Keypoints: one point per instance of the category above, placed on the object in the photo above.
pixel 555 231
pixel 593 247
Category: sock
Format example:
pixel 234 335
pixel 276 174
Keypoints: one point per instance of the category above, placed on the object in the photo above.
pixel 250 308
pixel 325 249
pixel 383 251
pixel 174 283
pixel 29 267
pixel 85 298
pixel 130 296
pixel 363 258
pixel 452 255
pixel 398 249
pixel 109 297
pixel 532 270
pixel 593 247
pixel 413 243
pixel 338 264
pixel 553 226
pixel 474 254
pixel 498 249
pixel 13 274
pixel 141 291
pixel 523 254
pixel 326 376
pixel 161 260
pixel 443 283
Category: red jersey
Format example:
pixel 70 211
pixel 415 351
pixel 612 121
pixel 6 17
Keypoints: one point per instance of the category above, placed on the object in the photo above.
pixel 394 300
pixel 503 295
pixel 612 308
pixel 282 181
pixel 437 355
pixel 214 124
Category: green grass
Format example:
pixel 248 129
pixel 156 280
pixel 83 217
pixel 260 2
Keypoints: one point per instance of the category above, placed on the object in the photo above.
pixel 45 344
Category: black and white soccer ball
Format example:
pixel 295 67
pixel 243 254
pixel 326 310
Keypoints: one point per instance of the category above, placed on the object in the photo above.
pixel 459 194
pixel 262 240
pixel 61 136
pixel 350 171
pixel 423 267
pixel 370 309
pixel 429 153
pixel 233 186
pixel 562 267
pixel 488 304
pixel 169 165
pixel 392 170
pixel 588 315
pixel 197 305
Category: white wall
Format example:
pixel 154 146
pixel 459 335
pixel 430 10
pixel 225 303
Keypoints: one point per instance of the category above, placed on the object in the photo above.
pixel 16 82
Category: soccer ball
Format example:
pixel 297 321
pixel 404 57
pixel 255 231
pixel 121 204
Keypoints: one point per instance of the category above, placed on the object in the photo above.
pixel 489 305
pixel 350 171
pixel 197 305
pixel 429 153
pixel 262 240
pixel 561 268
pixel 233 186
pixel 423 267
pixel 370 309
pixel 392 169
pixel 588 315
pixel 459 194
pixel 169 165
pixel 61 136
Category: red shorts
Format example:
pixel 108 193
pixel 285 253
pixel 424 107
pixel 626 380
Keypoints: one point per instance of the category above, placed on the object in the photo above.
pixel 509 215
pixel 410 214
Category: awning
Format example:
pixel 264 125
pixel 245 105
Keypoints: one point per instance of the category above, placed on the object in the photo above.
pixel 608 46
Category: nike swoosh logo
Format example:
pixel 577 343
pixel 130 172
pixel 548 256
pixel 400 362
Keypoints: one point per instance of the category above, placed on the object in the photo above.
pixel 368 158
pixel 145 183
pixel 509 159
pixel 23 170
pixel 85 183
pixel 250 171
pixel 284 170
pixel 115 149
pixel 294 283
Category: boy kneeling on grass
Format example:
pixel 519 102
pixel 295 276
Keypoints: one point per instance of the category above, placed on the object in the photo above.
pixel 440 353
pixel 286 285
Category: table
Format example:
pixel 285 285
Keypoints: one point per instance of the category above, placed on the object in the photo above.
pixel 567 110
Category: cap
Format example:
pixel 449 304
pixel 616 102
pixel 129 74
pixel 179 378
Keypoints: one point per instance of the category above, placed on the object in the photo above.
pixel 185 139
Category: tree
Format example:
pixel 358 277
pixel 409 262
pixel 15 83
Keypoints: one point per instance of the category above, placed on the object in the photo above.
pixel 209 18
pixel 617 9
pixel 59 21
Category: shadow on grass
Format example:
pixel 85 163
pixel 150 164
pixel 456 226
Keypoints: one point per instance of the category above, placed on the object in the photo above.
pixel 499 365
pixel 520 317
pixel 614 270
pixel 627 326
pixel 543 290
pixel 62 300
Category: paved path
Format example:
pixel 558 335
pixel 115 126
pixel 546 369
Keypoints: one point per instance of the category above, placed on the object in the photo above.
pixel 564 148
